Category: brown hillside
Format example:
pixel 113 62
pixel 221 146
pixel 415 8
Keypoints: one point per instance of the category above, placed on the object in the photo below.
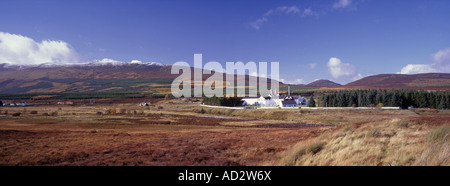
pixel 131 71
pixel 323 83
pixel 92 78
pixel 416 81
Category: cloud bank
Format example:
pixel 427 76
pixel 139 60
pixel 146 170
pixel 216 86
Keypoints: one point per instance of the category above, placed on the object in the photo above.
pixel 441 63
pixel 18 50
pixel 342 71
pixel 106 61
pixel 21 50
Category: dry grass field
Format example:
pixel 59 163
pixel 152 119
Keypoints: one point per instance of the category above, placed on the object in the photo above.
pixel 174 132
pixel 420 140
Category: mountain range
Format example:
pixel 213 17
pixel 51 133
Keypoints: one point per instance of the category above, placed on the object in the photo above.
pixel 157 78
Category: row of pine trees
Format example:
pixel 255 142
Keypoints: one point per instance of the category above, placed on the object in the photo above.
pixel 223 101
pixel 386 98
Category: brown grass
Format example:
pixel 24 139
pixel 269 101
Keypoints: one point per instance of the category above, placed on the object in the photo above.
pixel 176 135
pixel 152 138
pixel 393 142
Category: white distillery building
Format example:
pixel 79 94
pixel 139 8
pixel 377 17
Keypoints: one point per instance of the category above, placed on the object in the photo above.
pixel 271 100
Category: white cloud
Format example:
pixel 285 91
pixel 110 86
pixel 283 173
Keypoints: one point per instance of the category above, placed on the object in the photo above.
pixel 281 10
pixel 257 24
pixel 416 69
pixel 441 63
pixel 307 12
pixel 299 81
pixel 342 71
pixel 312 65
pixel 442 57
pixel 296 81
pixel 288 10
pixel 22 50
pixel 342 4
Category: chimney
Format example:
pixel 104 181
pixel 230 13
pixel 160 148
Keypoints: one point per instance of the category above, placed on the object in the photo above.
pixel 289 91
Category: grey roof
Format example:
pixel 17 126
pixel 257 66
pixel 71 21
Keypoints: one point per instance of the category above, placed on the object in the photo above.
pixel 250 97
pixel 289 102
pixel 285 96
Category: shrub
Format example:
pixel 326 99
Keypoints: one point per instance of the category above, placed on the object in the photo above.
pixel 160 107
pixel 402 124
pixel 99 113
pixel 379 105
pixel 313 148
pixel 33 112
pixel 311 102
pixel 375 133
pixel 45 114
pixel 111 111
pixel 122 111
pixel 316 147
pixel 202 111
pixel 17 114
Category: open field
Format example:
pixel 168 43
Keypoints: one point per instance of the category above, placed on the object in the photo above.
pixel 174 132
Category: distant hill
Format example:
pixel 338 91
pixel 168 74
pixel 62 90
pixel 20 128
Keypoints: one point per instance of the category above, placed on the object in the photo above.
pixel 414 81
pixel 85 78
pixel 90 71
pixel 122 77
pixel 323 83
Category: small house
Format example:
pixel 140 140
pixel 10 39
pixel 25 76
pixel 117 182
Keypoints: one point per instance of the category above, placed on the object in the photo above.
pixel 144 104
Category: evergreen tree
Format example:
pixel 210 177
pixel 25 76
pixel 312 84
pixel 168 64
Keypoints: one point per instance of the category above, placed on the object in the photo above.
pixel 353 99
pixel 423 101
pixel 447 99
pixel 311 102
pixel 202 111
pixel 341 102
pixel 385 98
pixel 437 99
pixel 378 98
pixel 369 98
pixel 431 102
pixel 442 104
pixel 406 100
pixel 394 100
pixel 326 100
pixel 322 100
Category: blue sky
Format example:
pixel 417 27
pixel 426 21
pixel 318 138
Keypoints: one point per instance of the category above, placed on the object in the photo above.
pixel 340 40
